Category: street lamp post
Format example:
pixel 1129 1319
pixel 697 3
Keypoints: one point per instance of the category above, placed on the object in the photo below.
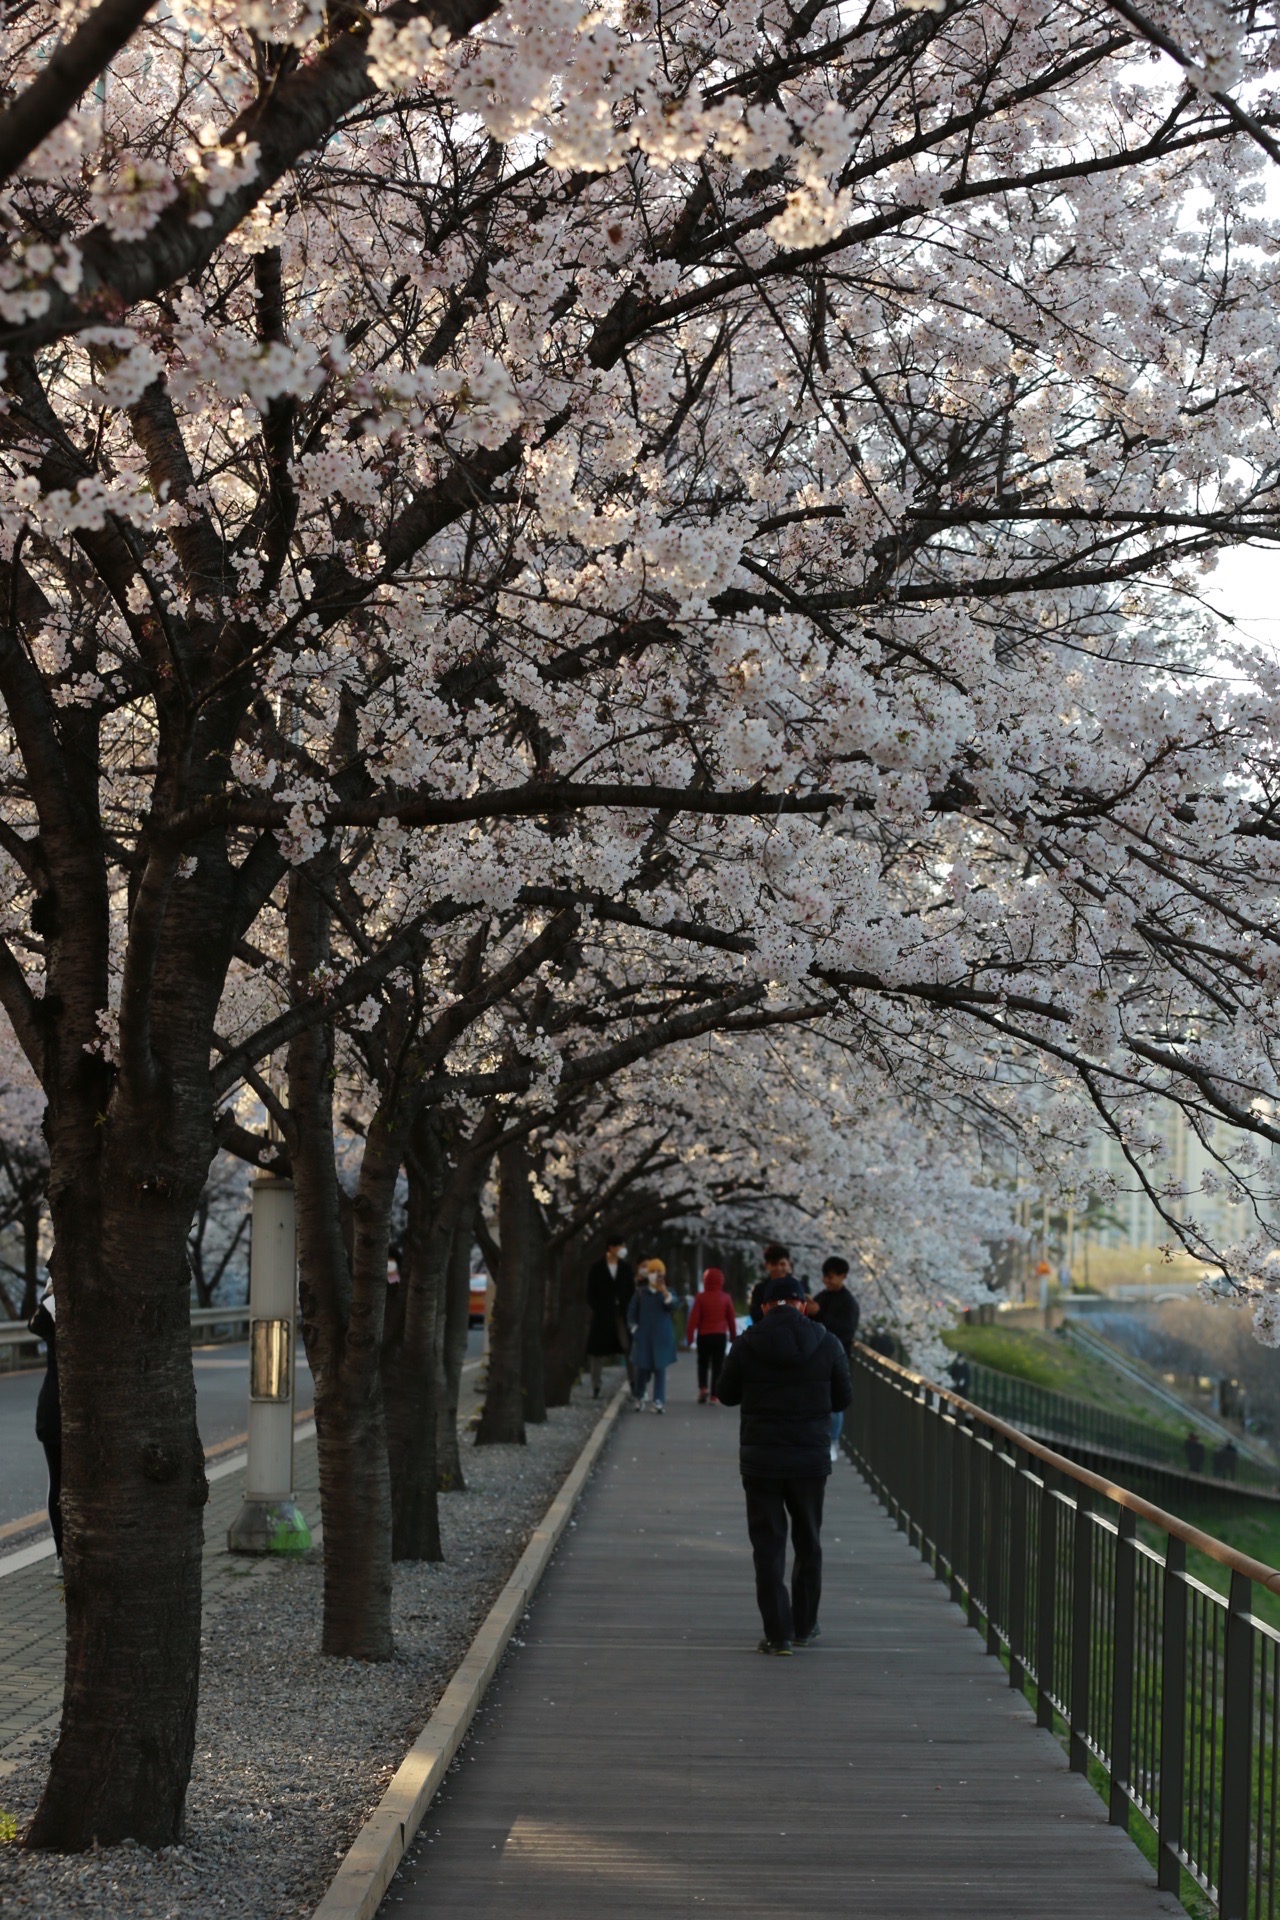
pixel 270 1520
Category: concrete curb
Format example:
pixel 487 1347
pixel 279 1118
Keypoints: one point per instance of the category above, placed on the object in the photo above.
pixel 365 1874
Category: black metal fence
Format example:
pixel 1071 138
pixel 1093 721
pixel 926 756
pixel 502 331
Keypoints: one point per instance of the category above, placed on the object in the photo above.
pixel 1172 1690
pixel 1046 1411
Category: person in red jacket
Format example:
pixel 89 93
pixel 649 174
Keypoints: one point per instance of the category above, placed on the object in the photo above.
pixel 711 1320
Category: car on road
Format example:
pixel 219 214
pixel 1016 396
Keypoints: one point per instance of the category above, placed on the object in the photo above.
pixel 479 1299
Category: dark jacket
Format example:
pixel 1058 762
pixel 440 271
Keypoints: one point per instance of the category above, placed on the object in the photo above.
pixel 837 1311
pixel 608 1298
pixel 49 1402
pixel 789 1375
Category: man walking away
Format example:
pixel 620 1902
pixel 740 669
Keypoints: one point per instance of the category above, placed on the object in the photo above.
pixel 609 1289
pixel 789 1375
pixel 711 1319
pixel 836 1309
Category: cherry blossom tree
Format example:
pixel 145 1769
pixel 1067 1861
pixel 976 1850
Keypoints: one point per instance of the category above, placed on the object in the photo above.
pixel 726 473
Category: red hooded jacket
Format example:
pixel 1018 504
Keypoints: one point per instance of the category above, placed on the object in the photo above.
pixel 712 1309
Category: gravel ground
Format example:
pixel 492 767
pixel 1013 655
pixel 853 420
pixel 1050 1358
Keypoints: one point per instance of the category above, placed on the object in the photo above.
pixel 293 1751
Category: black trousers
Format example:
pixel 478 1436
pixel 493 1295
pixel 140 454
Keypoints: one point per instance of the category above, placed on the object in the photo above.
pixel 711 1348
pixel 53 1457
pixel 793 1615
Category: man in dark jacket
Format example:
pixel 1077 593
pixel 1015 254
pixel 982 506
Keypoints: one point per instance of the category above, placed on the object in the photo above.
pixel 836 1309
pixel 789 1375
pixel 610 1284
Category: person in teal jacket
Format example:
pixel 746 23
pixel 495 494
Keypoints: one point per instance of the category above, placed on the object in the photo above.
pixel 651 1318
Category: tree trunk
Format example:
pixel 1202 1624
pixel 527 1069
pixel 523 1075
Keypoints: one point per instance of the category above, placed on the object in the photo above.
pixel 342 1305
pixel 502 1422
pixel 453 1350
pixel 533 1373
pixel 133 1487
pixel 566 1327
pixel 32 1214
pixel 409 1368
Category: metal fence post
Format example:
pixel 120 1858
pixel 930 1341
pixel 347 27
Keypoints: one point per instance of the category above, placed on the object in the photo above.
pixel 1081 1635
pixel 1122 1668
pixel 1173 1716
pixel 1019 1547
pixel 994 1566
pixel 973 1548
pixel 1237 1750
pixel 1046 1587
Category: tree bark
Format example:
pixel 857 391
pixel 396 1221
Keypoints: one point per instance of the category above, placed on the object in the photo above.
pixel 409 1360
pixel 342 1300
pixel 132 1493
pixel 533 1372
pixel 453 1350
pixel 566 1322
pixel 502 1421
pixel 32 1215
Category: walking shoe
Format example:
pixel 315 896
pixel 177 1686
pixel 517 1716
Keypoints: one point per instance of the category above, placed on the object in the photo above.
pixel 835 1455
pixel 714 1401
pixel 595 1391
pixel 807 1639
pixel 637 1406
pixel 702 1396
pixel 658 1407
pixel 779 1648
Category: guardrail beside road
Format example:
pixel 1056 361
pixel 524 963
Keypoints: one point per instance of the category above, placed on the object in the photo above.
pixel 14 1333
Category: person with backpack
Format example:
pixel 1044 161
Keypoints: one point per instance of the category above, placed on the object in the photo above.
pixel 789 1375
pixel 711 1320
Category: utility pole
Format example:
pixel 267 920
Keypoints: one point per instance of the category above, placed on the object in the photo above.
pixel 270 1520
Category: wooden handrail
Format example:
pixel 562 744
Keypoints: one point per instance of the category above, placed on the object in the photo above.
pixel 1255 1570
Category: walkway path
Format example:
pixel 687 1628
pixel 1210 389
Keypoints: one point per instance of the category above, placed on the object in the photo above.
pixel 637 1757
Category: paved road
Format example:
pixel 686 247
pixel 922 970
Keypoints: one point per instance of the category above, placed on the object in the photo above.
pixel 637 1757
pixel 222 1397
pixel 222 1394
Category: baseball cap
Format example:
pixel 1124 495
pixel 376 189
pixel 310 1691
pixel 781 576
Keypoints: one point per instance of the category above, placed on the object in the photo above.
pixel 788 1288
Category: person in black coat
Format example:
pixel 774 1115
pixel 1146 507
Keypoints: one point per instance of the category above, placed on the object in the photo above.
pixel 836 1309
pixel 49 1412
pixel 789 1375
pixel 610 1285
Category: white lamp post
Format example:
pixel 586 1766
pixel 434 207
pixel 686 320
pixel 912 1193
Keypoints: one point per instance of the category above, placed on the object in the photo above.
pixel 270 1520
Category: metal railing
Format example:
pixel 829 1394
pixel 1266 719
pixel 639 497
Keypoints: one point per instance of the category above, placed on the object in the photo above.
pixel 1170 1691
pixel 1047 1411
pixel 15 1333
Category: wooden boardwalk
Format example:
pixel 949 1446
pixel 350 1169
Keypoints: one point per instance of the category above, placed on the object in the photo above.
pixel 636 1757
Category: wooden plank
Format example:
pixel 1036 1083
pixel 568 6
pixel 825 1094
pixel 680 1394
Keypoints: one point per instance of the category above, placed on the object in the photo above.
pixel 378 1848
pixel 637 1756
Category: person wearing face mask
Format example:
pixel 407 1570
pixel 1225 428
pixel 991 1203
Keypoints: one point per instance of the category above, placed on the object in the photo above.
pixel 651 1318
pixel 610 1285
